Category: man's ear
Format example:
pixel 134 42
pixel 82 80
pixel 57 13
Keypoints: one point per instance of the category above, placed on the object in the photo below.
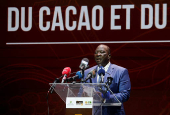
pixel 109 56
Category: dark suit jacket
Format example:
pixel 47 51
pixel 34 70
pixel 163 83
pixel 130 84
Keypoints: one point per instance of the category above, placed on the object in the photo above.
pixel 120 86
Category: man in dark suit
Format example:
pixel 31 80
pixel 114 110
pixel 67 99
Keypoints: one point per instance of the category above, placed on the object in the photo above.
pixel 120 86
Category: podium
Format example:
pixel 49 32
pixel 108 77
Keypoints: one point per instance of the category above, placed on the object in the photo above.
pixel 83 98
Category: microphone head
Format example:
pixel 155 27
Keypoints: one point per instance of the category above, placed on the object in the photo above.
pixel 109 80
pixel 86 59
pixel 79 75
pixel 67 71
pixel 93 73
pixel 84 63
pixel 101 71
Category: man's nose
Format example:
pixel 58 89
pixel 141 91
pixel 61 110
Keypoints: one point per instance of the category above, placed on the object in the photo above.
pixel 98 53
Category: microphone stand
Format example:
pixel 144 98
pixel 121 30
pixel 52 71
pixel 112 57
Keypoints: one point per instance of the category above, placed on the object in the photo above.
pixel 51 89
pixel 82 71
pixel 107 85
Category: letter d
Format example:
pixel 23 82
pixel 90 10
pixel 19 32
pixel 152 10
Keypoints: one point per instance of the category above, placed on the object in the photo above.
pixel 10 10
pixel 150 16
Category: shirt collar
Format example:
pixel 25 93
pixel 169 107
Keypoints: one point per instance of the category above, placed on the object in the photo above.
pixel 105 67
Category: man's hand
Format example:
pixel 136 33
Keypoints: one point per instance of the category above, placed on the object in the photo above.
pixel 106 95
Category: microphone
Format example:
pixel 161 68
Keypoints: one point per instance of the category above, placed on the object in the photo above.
pixel 84 64
pixel 106 93
pixel 109 80
pixel 78 75
pixel 101 73
pixel 90 75
pixel 66 73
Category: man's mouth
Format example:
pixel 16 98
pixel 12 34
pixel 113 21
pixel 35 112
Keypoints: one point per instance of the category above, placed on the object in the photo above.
pixel 98 59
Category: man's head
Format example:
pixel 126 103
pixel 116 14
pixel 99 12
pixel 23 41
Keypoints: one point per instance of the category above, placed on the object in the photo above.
pixel 102 55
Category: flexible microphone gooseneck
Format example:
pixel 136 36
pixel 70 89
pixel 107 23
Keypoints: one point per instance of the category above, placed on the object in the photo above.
pixel 90 75
pixel 77 76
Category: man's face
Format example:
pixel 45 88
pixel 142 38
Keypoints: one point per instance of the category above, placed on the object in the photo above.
pixel 101 55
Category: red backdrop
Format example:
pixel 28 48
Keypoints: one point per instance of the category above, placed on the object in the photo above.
pixel 27 70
